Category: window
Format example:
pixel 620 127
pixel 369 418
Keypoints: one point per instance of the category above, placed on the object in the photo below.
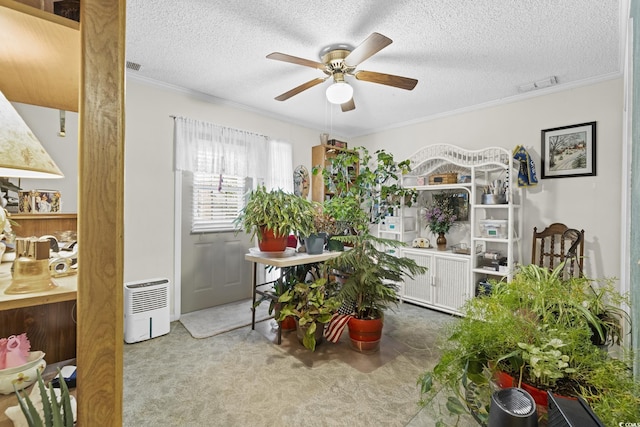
pixel 217 200
pixel 226 163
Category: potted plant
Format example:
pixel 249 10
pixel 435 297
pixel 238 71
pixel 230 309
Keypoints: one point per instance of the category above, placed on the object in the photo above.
pixel 372 193
pixel 534 331
pixel 52 410
pixel 273 215
pixel 371 269
pixel 289 276
pixel 323 225
pixel 312 305
pixel 371 275
pixel 440 217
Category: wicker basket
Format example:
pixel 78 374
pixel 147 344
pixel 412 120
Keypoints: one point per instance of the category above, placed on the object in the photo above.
pixel 443 178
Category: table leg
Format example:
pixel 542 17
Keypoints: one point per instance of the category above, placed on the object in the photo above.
pixel 277 312
pixel 254 282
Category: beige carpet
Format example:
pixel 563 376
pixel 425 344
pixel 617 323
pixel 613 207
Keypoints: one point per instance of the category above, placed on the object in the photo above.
pixel 243 379
pixel 223 318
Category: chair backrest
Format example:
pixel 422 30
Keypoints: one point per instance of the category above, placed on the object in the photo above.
pixel 558 243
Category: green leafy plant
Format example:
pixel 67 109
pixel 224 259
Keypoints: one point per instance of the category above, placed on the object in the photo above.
pixel 546 363
pixel 538 328
pixel 372 272
pixel 371 194
pixel 371 267
pixel 347 212
pixel 276 210
pixel 56 414
pixel 287 279
pixel 312 304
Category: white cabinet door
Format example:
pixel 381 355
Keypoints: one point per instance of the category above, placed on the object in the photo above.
pixel 418 288
pixel 451 287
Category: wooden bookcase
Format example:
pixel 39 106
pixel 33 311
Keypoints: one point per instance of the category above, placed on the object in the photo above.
pixel 44 224
pixel 321 158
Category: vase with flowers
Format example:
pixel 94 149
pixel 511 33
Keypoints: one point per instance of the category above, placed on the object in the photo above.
pixel 440 217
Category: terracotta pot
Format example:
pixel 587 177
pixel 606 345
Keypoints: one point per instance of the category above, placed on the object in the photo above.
pixel 365 334
pixel 288 324
pixel 270 242
pixel 504 380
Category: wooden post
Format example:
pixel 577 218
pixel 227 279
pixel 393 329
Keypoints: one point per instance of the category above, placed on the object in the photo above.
pixel 100 213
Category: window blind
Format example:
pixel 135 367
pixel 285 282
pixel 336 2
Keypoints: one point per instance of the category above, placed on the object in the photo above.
pixel 217 200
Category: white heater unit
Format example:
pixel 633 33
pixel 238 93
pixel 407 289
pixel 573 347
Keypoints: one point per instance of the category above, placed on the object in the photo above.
pixel 146 309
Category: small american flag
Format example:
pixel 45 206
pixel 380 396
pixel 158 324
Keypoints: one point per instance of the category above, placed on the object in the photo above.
pixel 339 321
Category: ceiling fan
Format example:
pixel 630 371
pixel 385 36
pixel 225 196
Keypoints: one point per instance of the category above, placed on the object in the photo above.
pixel 339 61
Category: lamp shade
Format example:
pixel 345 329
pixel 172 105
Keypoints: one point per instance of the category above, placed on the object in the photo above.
pixel 21 154
pixel 339 93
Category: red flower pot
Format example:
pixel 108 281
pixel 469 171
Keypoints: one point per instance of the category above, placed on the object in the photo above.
pixel 365 334
pixel 504 380
pixel 288 324
pixel 271 242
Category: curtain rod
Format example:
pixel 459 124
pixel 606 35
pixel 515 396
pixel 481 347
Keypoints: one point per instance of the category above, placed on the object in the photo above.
pixel 214 124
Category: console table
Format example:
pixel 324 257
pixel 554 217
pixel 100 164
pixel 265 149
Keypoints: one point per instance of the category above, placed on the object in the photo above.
pixel 279 262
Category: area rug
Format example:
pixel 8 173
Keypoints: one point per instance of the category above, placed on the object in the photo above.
pixel 222 318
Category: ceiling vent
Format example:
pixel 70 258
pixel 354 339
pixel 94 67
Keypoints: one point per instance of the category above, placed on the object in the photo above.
pixel 133 66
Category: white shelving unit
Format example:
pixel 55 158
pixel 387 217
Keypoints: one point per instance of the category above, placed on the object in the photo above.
pixel 452 277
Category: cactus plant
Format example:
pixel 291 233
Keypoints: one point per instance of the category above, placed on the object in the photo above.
pixel 56 414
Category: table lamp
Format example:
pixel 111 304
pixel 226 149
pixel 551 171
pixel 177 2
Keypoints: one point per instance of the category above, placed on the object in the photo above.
pixel 23 156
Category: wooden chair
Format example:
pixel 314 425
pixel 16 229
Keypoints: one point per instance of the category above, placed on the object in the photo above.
pixel 558 243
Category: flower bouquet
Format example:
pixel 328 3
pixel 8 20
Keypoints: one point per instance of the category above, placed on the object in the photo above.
pixel 440 216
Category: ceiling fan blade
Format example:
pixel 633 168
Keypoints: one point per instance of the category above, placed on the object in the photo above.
pixel 348 106
pixel 297 90
pixel 372 45
pixel 295 60
pixel 386 79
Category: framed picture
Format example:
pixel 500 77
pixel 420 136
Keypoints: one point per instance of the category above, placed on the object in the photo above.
pixel 569 151
pixel 458 202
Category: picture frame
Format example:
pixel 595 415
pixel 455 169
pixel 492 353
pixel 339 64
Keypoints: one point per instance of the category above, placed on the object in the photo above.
pixel 569 151
pixel 458 201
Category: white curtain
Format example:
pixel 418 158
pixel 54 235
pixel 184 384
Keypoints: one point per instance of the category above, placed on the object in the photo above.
pixel 228 151
pixel 280 166
pixel 205 147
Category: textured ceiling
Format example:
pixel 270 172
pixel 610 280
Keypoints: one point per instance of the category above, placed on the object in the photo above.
pixel 463 52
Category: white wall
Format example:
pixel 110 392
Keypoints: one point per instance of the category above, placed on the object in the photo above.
pixel 45 124
pixel 149 177
pixel 590 203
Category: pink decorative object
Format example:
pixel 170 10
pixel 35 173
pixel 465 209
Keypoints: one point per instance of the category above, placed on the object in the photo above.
pixel 17 350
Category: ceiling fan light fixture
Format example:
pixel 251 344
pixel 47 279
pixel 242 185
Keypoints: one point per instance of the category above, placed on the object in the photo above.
pixel 339 93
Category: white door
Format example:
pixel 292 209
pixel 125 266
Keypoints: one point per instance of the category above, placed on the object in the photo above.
pixel 213 269
pixel 418 289
pixel 451 282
